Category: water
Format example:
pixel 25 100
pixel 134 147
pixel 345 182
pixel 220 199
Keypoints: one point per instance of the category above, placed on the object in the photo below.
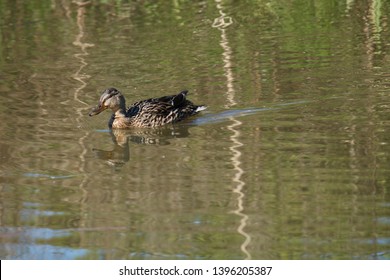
pixel 289 161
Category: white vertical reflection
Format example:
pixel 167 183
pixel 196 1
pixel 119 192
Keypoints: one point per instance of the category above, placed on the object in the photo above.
pixel 221 23
pixel 81 78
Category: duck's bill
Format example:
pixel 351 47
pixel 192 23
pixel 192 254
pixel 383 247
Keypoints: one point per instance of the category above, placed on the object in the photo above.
pixel 98 109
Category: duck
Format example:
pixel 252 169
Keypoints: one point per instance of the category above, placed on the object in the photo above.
pixel 152 112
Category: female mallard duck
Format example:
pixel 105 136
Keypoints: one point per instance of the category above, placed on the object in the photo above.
pixel 151 112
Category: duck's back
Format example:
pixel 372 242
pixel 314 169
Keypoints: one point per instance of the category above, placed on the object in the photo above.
pixel 163 110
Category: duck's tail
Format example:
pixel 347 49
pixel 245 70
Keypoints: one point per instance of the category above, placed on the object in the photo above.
pixel 200 108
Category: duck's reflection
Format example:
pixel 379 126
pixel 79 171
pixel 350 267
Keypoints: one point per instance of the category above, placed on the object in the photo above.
pixel 120 154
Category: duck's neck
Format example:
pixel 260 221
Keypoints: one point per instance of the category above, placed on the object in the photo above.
pixel 120 113
pixel 117 115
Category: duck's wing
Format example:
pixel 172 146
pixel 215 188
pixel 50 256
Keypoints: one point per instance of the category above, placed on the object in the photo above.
pixel 179 100
pixel 176 100
pixel 159 105
pixel 149 107
pixel 133 110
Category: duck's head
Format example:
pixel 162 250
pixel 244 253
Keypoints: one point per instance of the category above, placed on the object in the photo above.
pixel 111 99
